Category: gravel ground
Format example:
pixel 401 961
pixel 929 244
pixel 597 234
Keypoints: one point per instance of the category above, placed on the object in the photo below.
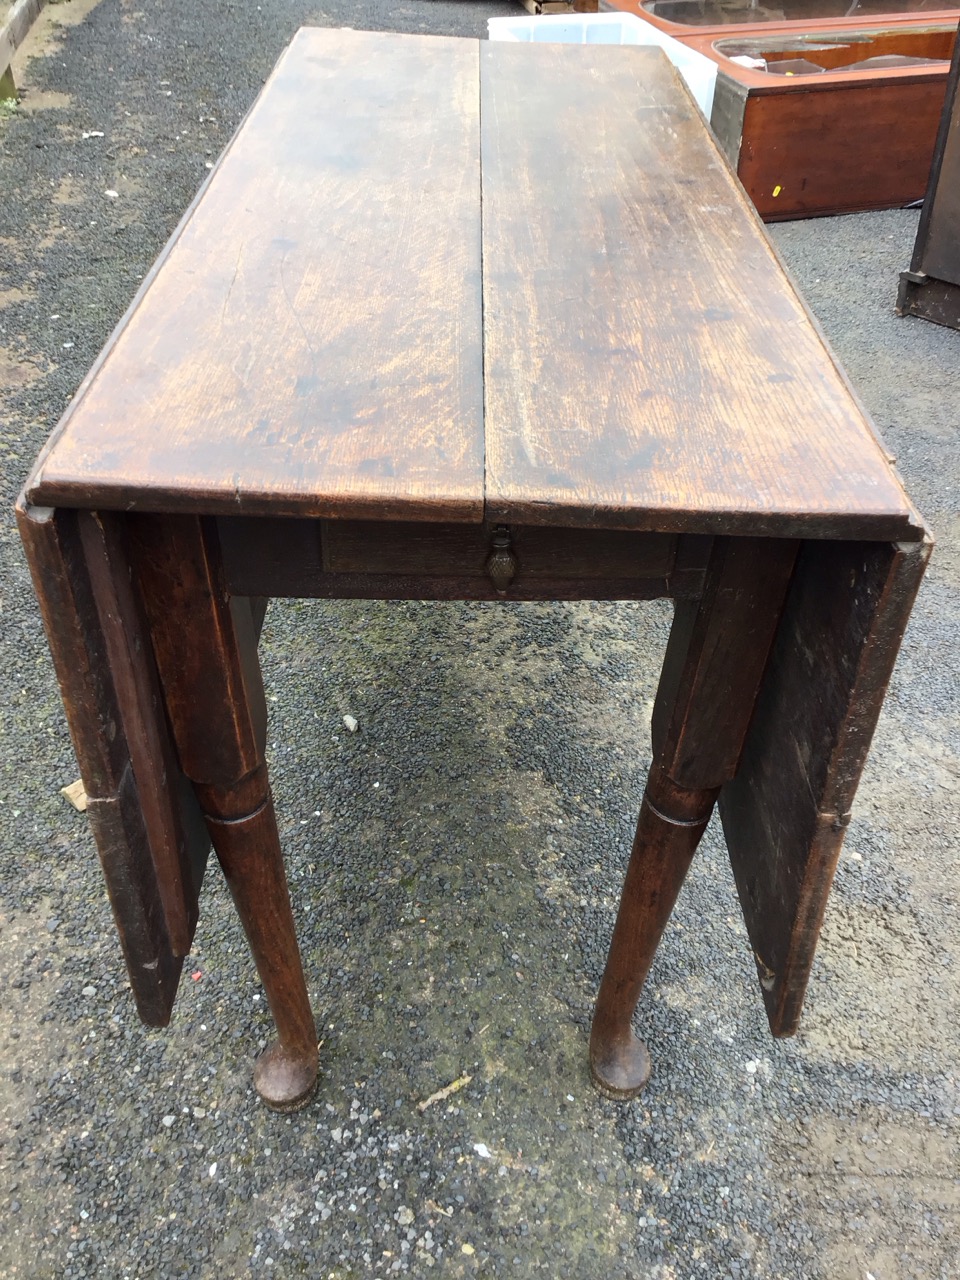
pixel 455 863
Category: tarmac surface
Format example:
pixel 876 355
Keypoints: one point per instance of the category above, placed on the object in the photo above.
pixel 455 864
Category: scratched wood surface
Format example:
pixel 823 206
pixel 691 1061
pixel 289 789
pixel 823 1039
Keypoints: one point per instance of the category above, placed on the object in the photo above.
pixel 310 343
pixel 149 833
pixel 383 560
pixel 647 363
pixel 786 812
pixel 311 340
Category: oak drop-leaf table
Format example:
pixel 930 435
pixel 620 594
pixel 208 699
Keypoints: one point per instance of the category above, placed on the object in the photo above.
pixel 458 320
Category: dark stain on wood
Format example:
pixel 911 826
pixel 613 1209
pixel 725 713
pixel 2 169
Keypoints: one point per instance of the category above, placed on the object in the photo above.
pixel 138 830
pixel 611 397
pixel 785 813
pixel 329 358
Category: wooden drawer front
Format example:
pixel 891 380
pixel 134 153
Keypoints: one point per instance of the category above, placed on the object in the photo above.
pixel 589 553
pixel 372 559
pixel 379 546
pixel 462 551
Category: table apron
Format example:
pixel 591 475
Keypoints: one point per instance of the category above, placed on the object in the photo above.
pixel 370 559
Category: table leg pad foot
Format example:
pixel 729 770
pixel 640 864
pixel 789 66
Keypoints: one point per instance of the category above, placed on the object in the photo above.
pixel 285 1081
pixel 622 1070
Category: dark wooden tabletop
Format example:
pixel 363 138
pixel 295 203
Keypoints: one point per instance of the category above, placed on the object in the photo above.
pixel 310 339
pixel 313 342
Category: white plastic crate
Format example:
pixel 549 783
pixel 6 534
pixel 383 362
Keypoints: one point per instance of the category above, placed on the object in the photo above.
pixel 699 72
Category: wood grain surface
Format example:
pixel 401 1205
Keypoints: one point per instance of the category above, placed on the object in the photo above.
pixel 804 145
pixel 311 340
pixel 714 664
pixel 647 363
pixel 381 560
pixel 839 148
pixel 177 842
pixel 786 812
pixel 152 843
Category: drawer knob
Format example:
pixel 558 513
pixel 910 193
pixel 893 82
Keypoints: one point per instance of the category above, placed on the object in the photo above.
pixel 502 564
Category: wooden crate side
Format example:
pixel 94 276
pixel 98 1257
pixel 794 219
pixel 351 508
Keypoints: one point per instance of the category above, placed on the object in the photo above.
pixel 839 150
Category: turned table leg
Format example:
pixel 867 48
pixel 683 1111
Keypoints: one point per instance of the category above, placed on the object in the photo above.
pixel 715 659
pixel 205 644
pixel 668 831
